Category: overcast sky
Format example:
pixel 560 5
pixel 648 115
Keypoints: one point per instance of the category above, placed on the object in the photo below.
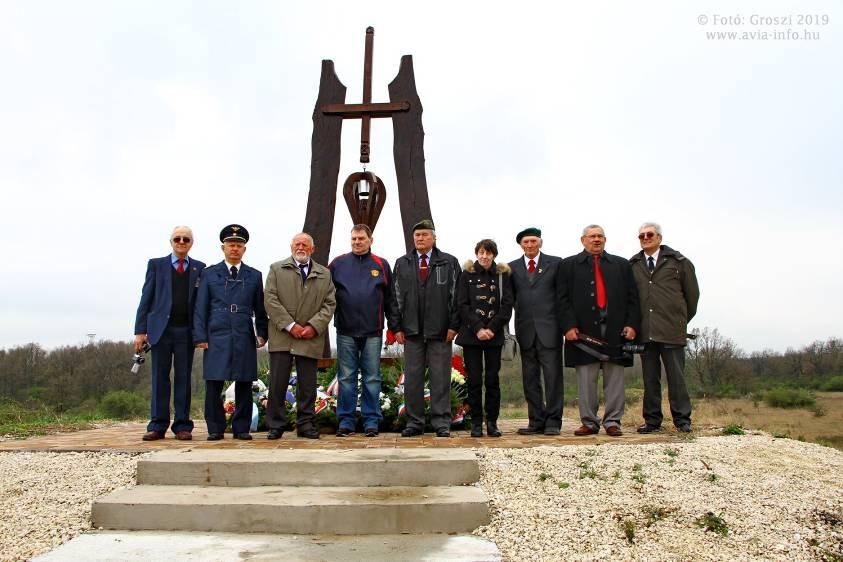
pixel 120 120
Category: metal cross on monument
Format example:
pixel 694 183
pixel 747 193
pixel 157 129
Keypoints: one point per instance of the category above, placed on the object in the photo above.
pixel 364 192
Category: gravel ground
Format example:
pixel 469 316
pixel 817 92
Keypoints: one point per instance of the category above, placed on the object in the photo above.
pixel 780 500
pixel 45 498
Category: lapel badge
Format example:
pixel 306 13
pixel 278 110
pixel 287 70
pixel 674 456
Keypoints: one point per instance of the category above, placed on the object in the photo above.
pixel 540 270
pixel 375 273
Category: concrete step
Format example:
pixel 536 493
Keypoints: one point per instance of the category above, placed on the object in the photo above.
pixel 291 467
pixel 340 510
pixel 137 546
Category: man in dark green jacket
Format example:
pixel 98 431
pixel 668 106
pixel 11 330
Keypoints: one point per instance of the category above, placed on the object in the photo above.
pixel 668 292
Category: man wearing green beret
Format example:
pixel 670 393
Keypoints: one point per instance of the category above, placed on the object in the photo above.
pixel 537 287
pixel 425 298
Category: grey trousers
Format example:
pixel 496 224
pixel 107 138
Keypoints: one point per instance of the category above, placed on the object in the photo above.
pixel 613 385
pixel 421 354
pixel 673 359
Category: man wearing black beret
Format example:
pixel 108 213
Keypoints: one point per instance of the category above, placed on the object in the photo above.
pixel 537 288
pixel 230 324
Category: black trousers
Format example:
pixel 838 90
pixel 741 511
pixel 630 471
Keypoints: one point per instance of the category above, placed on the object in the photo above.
pixel 673 358
pixel 280 367
pixel 545 362
pixel 475 356
pixel 215 412
pixel 174 349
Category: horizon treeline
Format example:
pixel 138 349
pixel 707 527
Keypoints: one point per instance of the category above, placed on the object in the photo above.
pixel 76 377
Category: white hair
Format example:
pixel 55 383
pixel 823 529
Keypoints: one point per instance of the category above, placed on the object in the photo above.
pixel 309 237
pixel 589 227
pixel 656 226
pixel 181 227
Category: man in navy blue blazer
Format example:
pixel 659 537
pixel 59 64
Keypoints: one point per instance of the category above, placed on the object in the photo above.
pixel 164 320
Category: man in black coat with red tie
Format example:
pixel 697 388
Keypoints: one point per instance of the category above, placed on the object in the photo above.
pixel 600 300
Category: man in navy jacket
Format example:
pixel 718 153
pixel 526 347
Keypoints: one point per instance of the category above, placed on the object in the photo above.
pixel 163 320
pixel 363 283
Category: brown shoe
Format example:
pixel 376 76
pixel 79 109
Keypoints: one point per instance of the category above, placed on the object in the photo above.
pixel 585 430
pixel 614 431
pixel 184 435
pixel 153 435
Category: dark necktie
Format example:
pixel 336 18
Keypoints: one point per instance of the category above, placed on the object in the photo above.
pixel 303 271
pixel 423 268
pixel 233 271
pixel 531 266
pixel 598 281
pixel 651 266
pixel 181 265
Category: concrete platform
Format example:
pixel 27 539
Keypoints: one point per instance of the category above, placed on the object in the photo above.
pixel 126 437
pixel 132 546
pixel 348 467
pixel 338 510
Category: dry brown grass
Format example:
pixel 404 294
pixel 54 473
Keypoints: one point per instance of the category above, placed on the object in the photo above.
pixel 711 414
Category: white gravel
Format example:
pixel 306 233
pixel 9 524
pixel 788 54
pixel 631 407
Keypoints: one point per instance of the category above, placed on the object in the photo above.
pixel 45 498
pixel 781 500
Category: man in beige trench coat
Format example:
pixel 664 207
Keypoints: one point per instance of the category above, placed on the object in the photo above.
pixel 300 301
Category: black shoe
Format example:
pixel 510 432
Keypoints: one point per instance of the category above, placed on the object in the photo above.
pixel 530 430
pixel 551 431
pixel 492 429
pixel 647 428
pixel 477 430
pixel 443 432
pixel 684 428
pixel 344 432
pixel 274 434
pixel 308 433
pixel 411 432
pixel 243 436
pixel 371 432
pixel 214 436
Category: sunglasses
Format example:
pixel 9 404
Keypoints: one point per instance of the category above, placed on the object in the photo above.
pixel 646 235
pixel 180 239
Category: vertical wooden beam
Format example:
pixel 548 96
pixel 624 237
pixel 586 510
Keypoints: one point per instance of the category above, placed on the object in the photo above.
pixel 366 121
pixel 408 151
pixel 324 164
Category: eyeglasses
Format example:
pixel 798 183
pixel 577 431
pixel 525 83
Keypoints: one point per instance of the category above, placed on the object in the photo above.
pixel 646 235
pixel 180 239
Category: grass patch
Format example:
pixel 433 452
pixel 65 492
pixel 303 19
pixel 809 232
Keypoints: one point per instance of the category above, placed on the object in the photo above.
pixel 783 397
pixel 19 422
pixel 654 514
pixel 713 523
pixel 543 476
pixel 733 429
pixel 780 435
pixel 564 485
pixel 834 441
pixel 629 530
pixel 638 474
pixel 712 477
pixel 672 453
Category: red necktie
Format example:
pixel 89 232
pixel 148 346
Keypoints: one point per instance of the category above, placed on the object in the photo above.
pixel 531 266
pixel 181 265
pixel 423 268
pixel 598 280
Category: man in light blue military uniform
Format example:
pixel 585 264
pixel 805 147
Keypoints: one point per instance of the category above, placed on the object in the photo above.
pixel 230 324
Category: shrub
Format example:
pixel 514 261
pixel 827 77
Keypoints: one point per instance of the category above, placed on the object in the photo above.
pixel 713 523
pixel 733 429
pixel 783 397
pixel 121 404
pixel 834 384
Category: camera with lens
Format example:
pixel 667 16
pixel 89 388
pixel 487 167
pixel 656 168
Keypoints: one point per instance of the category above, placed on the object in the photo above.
pixel 631 348
pixel 604 351
pixel 138 359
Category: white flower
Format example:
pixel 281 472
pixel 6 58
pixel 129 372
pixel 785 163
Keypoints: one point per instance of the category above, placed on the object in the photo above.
pixel 386 404
pixel 457 377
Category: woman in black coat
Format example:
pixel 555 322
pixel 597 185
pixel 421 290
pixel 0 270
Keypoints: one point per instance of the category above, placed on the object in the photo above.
pixel 484 297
